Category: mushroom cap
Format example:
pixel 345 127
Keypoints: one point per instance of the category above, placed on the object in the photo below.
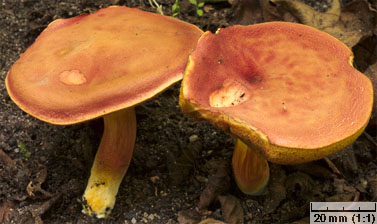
pixel 287 90
pixel 90 65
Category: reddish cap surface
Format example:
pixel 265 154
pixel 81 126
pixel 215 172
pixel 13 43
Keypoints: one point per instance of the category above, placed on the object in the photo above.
pixel 91 65
pixel 286 89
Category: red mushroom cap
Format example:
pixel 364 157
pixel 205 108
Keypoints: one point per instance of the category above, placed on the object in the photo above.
pixel 287 90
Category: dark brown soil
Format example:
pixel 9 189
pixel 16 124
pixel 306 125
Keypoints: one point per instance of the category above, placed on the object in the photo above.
pixel 44 168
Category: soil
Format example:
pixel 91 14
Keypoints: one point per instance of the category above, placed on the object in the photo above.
pixel 179 164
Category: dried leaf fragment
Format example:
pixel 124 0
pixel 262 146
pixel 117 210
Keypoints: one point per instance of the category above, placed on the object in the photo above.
pixel 309 16
pixel 6 211
pixel 350 24
pixel 211 221
pixel 36 182
pixel 7 162
pixel 247 11
pixel 276 188
pixel 217 184
pixel 231 209
pixel 187 217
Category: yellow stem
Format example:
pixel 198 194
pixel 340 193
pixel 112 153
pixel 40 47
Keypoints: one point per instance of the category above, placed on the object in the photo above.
pixel 251 171
pixel 111 162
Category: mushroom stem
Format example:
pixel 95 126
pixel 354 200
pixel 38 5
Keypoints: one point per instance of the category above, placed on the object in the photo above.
pixel 111 162
pixel 251 171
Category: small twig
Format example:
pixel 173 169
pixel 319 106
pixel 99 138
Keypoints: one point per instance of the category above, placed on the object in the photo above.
pixel 38 210
pixel 35 185
pixel 332 166
pixel 370 138
pixel 32 188
pixel 151 4
pixel 156 6
pixel 357 196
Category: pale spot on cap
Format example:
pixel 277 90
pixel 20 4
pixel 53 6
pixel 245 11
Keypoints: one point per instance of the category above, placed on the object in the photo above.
pixel 230 93
pixel 72 77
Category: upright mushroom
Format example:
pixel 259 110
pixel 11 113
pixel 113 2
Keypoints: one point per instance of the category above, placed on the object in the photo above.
pixel 286 91
pixel 96 65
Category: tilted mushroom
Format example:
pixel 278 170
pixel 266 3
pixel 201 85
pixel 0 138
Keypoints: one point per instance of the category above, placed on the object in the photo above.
pixel 96 65
pixel 287 92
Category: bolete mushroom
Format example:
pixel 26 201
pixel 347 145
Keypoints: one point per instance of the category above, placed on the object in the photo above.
pixel 102 64
pixel 287 92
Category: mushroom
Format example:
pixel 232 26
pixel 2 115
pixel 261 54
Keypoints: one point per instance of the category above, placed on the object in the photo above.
pixel 102 64
pixel 287 92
